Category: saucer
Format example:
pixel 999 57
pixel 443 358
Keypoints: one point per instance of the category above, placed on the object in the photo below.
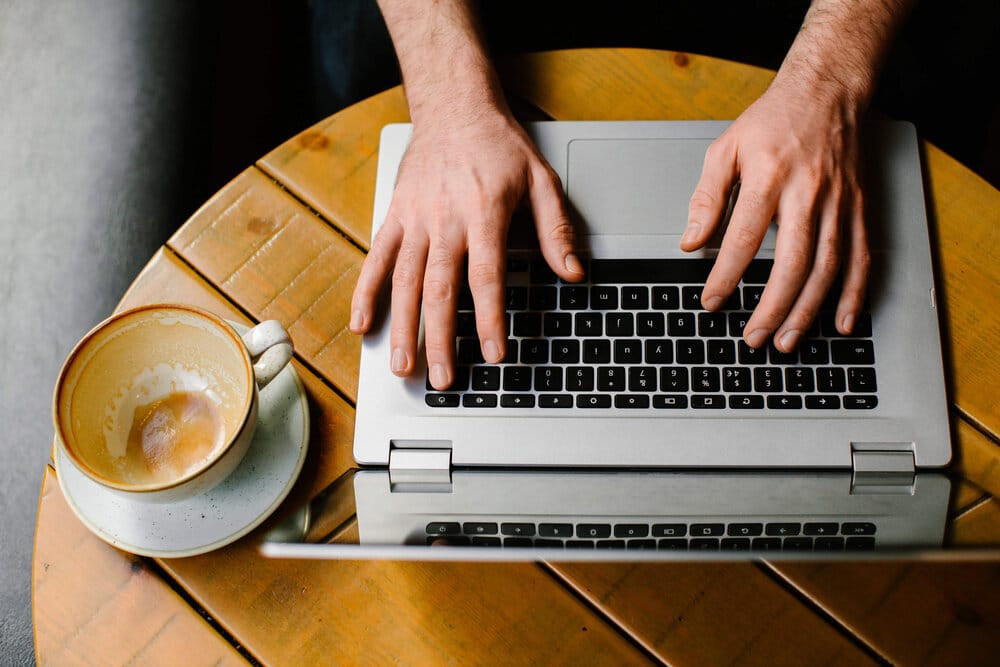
pixel 219 516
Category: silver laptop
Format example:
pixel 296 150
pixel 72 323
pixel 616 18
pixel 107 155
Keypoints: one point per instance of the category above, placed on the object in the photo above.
pixel 622 405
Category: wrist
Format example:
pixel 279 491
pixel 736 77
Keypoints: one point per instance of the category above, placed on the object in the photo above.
pixel 463 89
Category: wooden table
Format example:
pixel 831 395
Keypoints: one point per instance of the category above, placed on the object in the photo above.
pixel 285 240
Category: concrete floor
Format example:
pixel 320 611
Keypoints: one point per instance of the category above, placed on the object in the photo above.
pixel 118 118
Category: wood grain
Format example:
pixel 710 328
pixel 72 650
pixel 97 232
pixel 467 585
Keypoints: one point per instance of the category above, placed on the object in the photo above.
pixel 94 604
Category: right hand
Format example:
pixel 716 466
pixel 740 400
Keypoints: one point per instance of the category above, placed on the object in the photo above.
pixel 456 190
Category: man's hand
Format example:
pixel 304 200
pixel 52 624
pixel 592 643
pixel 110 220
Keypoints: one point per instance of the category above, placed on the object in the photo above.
pixel 457 188
pixel 794 154
pixel 796 161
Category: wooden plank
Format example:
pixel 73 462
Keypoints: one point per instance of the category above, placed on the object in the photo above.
pixel 711 614
pixel 332 164
pixel 912 612
pixel 83 589
pixel 978 526
pixel 294 611
pixel 275 259
pixel 977 458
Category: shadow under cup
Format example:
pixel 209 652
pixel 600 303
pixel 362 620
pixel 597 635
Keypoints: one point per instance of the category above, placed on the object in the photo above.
pixel 157 403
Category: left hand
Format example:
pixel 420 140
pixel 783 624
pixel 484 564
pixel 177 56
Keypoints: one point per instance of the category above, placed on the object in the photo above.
pixel 795 156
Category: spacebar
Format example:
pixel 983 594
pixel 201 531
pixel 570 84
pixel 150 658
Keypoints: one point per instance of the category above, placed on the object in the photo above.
pixel 667 270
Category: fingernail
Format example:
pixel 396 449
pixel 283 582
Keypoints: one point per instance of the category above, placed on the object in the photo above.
pixel 757 338
pixel 848 322
pixel 691 233
pixel 357 320
pixel 398 360
pixel 491 352
pixel 713 303
pixel 438 376
pixel 573 264
pixel 789 339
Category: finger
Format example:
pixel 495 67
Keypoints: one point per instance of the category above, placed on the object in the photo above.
pixel 407 277
pixel 793 261
pixel 711 195
pixel 487 267
pixel 442 279
pixel 856 272
pixel 826 265
pixel 374 271
pixel 556 235
pixel 752 214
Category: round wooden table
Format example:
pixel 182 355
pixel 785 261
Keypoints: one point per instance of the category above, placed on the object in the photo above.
pixel 285 240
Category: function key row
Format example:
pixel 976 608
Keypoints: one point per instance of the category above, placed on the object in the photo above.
pixel 657 401
pixel 630 530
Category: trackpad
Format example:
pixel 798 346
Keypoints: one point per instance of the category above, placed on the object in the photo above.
pixel 633 186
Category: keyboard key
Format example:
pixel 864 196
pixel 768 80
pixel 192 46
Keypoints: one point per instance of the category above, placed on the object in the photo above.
pixel 735 544
pixel 857 528
pixel 479 528
pixel 823 402
pixel 721 351
pixel 540 272
pixel 611 378
pixel 821 528
pixel 588 325
pixel 708 401
pixel 517 542
pixel 784 402
pixel 593 530
pixel 799 380
pixel 557 325
pixel 485 378
pixel 736 379
pixel 511 356
pixel 751 296
pixel 782 358
pixel 573 297
pixel 619 324
pixel 441 400
pixel 767 379
pixel 527 325
pixel 465 325
pixel 857 352
pixel 670 401
pixel 673 379
pixel 517 378
pixel 593 401
pixel 744 529
pixel 443 528
pixel 548 378
pixel 549 544
pixel 691 297
pixel 542 298
pixel 535 351
pixel 469 352
pixel 604 297
pixel 566 351
pixel 610 544
pixel 648 271
pixel 746 402
pixel 705 379
pixel 479 400
pixel 797 544
pixel 861 380
pixel 669 530
pixel 814 352
pixel 516 297
pixel 642 379
pixel 631 530
pixel 711 325
pixel 765 544
pixel 597 351
pixel 635 298
pixel 636 545
pixel 828 544
pixel 485 541
pixel 465 301
pixel 579 544
pixel 666 298
pixel 830 380
pixel 860 544
pixel 630 401
pixel 517 400
pixel 563 530
pixel 737 323
pixel 659 351
pixel 783 529
pixel 579 378
pixel 628 351
pixel 518 529
pixel 649 324
pixel 680 324
pixel 704 544
pixel 707 529
pixel 672 544
pixel 690 351
pixel 751 356
pixel 860 402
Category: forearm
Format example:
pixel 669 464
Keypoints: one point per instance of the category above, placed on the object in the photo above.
pixel 446 70
pixel 840 49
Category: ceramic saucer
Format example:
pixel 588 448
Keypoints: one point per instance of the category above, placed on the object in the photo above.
pixel 220 515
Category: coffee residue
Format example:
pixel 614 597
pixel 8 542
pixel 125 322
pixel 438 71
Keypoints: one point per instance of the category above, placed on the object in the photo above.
pixel 172 436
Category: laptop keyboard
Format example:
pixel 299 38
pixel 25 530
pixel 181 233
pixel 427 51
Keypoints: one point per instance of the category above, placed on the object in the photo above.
pixel 733 536
pixel 634 336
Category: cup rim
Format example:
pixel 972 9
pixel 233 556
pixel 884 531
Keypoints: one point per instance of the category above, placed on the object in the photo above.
pixel 220 453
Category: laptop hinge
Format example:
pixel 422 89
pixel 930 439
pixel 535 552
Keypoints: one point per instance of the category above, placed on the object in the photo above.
pixel 882 470
pixel 420 466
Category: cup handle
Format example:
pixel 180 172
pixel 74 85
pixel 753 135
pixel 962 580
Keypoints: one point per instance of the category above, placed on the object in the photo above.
pixel 270 349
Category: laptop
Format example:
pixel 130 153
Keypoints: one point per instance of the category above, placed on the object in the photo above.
pixel 623 406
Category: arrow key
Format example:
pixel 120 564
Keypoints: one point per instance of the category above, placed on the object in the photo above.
pixel 823 402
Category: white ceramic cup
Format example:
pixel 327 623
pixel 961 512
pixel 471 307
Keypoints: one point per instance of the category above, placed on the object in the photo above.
pixel 159 403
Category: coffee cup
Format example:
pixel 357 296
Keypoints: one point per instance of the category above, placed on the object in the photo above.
pixel 160 403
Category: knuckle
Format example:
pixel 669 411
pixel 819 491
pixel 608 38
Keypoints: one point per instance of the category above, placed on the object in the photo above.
pixel 798 261
pixel 743 237
pixel 438 290
pixel 703 203
pixel 484 274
